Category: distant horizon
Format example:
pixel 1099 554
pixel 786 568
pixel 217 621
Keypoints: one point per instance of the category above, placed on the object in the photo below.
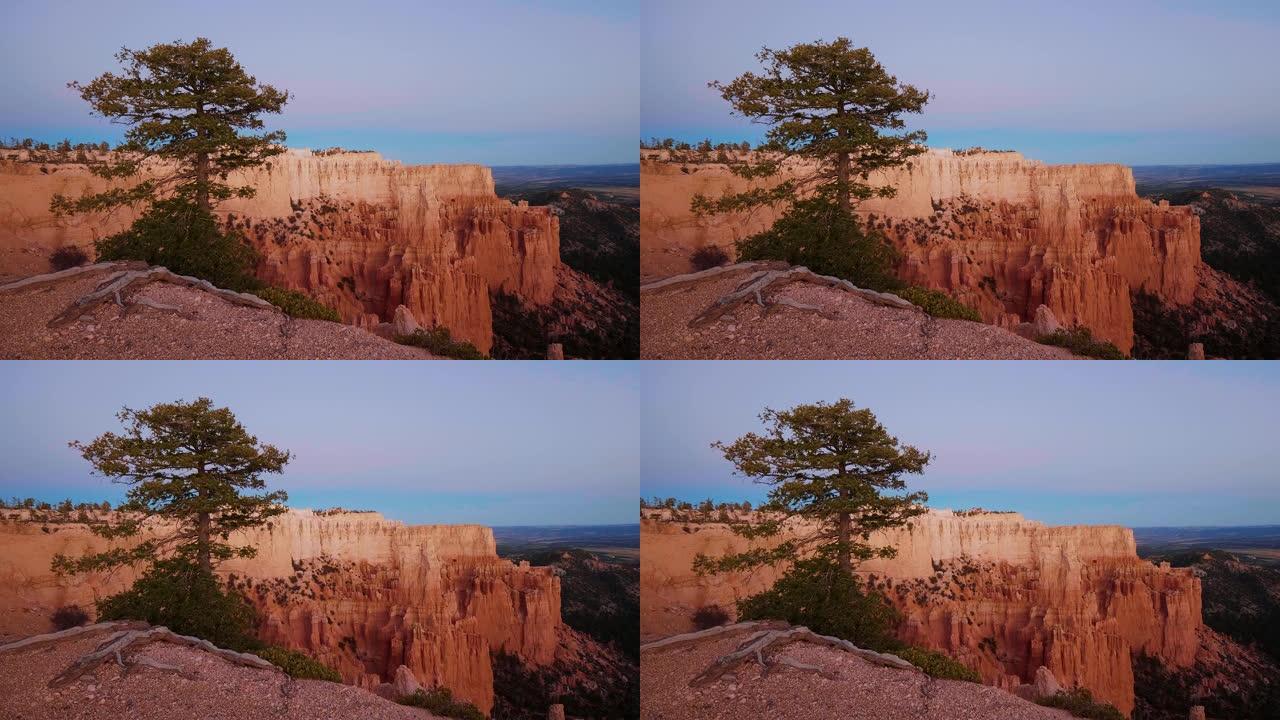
pixel 1161 82
pixel 494 444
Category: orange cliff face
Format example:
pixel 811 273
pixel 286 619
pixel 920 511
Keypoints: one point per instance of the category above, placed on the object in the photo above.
pixel 360 593
pixel 1002 233
pixel 355 231
pixel 1000 593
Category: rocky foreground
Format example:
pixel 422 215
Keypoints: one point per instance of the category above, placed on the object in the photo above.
pixel 680 680
pixel 89 313
pixel 717 314
pixel 58 677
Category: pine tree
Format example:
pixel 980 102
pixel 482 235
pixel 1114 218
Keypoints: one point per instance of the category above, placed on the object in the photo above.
pixel 188 466
pixel 186 105
pixel 832 466
pixel 831 104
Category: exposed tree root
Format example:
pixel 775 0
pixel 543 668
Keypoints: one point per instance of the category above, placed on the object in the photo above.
pixel 125 280
pixel 127 638
pixel 765 640
pixel 761 286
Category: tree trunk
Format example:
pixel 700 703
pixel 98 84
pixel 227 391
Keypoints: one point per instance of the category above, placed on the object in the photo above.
pixel 846 563
pixel 202 167
pixel 842 177
pixel 202 542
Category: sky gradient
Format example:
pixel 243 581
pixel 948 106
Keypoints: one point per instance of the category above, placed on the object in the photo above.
pixel 1141 82
pixel 1136 444
pixel 492 443
pixel 498 82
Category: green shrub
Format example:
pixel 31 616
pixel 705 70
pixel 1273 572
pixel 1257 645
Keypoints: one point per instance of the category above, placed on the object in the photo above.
pixel 299 665
pixel 67 257
pixel 828 240
pixel 178 235
pixel 938 665
pixel 299 305
pixel 816 593
pixel 440 702
pixel 1080 703
pixel 440 342
pixel 709 616
pixel 938 304
pixel 707 257
pixel 1079 340
pixel 69 616
pixel 189 601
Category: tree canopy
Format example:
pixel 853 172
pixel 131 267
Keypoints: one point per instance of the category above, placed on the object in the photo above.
pixel 833 466
pixel 188 466
pixel 187 106
pixel 828 103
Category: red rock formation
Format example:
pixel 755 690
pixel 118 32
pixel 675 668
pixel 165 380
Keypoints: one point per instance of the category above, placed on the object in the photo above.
pixel 358 232
pixel 1002 594
pixel 1000 232
pixel 358 592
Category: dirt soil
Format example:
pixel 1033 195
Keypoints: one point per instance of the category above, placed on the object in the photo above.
pixel 862 690
pixel 214 690
pixel 859 330
pixel 206 327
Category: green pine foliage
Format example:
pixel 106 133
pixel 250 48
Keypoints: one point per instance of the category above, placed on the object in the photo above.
pixel 440 702
pixel 829 240
pixel 938 304
pixel 440 342
pixel 299 305
pixel 1080 703
pixel 936 664
pixel 297 665
pixel 1080 341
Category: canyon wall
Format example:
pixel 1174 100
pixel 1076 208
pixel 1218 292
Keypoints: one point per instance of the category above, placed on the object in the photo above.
pixel 1000 232
pixel 357 232
pixel 1002 594
pixel 358 592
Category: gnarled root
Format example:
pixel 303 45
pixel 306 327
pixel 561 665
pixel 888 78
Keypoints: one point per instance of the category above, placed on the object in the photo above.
pixel 120 286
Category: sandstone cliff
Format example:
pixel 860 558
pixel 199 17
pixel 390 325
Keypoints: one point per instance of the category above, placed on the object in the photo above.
pixel 358 592
pixel 355 231
pixel 1002 233
pixel 1002 594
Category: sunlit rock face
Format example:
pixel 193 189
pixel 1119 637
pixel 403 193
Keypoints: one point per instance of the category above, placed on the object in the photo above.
pixel 356 591
pixel 1002 594
pixel 1003 233
pixel 357 232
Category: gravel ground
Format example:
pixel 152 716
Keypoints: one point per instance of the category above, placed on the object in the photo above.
pixel 217 691
pixel 208 328
pixel 863 690
pixel 860 331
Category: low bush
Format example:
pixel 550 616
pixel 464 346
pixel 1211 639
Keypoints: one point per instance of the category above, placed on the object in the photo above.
pixel 816 593
pixel 439 341
pixel 187 600
pixel 440 702
pixel 298 665
pixel 707 257
pixel 936 664
pixel 709 616
pixel 69 616
pixel 179 235
pixel 938 304
pixel 299 305
pixel 828 240
pixel 1080 703
pixel 1080 341
pixel 66 257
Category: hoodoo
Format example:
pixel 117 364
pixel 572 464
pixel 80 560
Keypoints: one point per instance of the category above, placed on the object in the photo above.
pixel 356 591
pixel 1002 233
pixel 1000 593
pixel 358 232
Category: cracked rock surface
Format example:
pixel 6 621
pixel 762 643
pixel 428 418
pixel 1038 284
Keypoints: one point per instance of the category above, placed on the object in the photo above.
pixel 808 321
pixel 848 687
pixel 207 687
